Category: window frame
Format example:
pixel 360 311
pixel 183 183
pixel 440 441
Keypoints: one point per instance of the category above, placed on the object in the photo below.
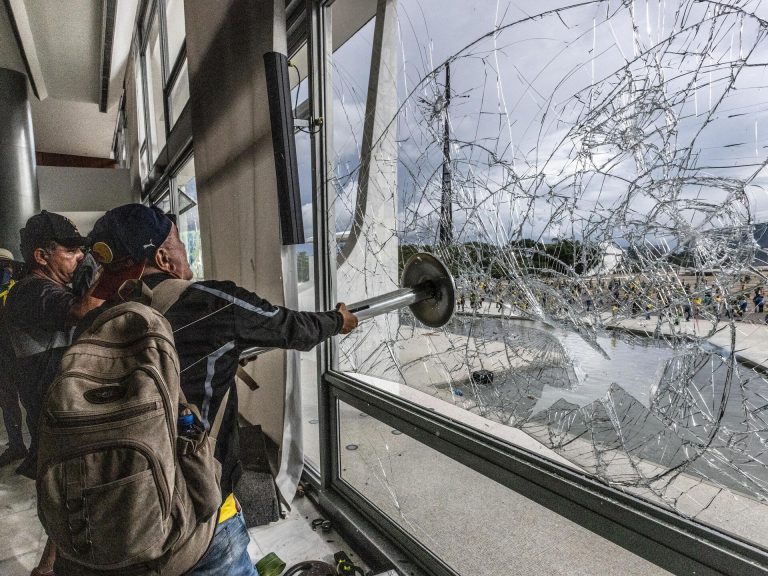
pixel 120 141
pixel 169 73
pixel 663 537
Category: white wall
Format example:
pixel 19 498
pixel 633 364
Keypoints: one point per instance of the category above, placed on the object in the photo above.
pixel 83 194
pixel 236 180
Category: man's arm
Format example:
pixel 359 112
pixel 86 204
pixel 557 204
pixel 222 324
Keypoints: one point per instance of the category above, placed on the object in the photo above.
pixel 259 323
pixel 81 306
pixel 349 321
pixel 47 305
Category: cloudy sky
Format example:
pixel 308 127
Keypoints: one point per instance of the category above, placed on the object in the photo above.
pixel 582 116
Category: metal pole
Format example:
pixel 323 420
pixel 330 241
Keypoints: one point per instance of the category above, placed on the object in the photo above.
pixel 376 306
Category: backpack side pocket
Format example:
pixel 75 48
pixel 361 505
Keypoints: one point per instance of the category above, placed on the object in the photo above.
pixel 202 472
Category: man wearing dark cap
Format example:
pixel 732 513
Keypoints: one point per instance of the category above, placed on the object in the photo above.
pixel 39 316
pixel 213 322
pixel 41 310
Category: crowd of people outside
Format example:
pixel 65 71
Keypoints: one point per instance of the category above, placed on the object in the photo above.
pixel 683 299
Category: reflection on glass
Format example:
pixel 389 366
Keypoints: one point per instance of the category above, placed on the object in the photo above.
pixel 594 178
pixel 141 118
pixel 174 20
pixel 140 112
pixel 144 166
pixel 189 216
pixel 179 94
pixel 153 60
pixel 164 202
pixel 472 523
pixel 305 269
pixel 351 67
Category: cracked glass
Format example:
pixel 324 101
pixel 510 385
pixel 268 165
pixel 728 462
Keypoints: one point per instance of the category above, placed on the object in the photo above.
pixel 593 175
pixel 474 524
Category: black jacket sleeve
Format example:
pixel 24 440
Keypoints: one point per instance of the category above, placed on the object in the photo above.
pixel 259 323
pixel 40 303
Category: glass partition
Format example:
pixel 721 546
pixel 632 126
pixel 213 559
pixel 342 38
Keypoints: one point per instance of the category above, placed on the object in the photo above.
pixel 141 117
pixel 593 177
pixel 174 25
pixel 179 95
pixel 305 253
pixel 188 221
pixel 153 60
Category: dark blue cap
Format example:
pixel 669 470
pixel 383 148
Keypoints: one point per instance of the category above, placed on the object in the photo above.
pixel 130 231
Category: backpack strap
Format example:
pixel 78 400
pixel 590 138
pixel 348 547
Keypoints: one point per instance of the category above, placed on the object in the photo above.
pixel 161 297
pixel 217 421
pixel 165 294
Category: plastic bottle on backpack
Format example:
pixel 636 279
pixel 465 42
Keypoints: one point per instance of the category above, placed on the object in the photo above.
pixel 186 424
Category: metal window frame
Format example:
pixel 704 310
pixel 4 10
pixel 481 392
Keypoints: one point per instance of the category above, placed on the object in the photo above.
pixel 319 46
pixel 169 75
pixel 121 127
pixel 173 178
pixel 141 107
pixel 167 180
pixel 172 70
pixel 662 537
pixel 173 78
pixel 147 16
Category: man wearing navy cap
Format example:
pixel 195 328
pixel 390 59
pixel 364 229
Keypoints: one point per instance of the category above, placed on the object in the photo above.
pixel 213 322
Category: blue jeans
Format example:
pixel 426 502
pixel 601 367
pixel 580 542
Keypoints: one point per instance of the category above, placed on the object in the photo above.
pixel 228 553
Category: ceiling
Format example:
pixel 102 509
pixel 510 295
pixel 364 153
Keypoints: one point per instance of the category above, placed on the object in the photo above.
pixel 62 41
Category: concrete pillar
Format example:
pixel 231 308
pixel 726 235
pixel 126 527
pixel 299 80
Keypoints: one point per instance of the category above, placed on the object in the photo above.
pixel 237 187
pixel 368 264
pixel 19 197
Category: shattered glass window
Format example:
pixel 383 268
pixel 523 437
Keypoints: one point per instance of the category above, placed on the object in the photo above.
pixel 593 174
pixel 474 524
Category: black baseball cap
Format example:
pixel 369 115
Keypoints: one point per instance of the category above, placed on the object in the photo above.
pixel 123 240
pixel 130 231
pixel 46 227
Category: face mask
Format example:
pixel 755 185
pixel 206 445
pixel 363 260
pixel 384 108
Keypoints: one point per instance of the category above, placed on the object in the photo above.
pixel 5 275
pixel 84 275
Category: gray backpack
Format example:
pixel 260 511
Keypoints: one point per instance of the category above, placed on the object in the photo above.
pixel 118 490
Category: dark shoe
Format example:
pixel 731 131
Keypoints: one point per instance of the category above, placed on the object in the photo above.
pixel 28 468
pixel 10 456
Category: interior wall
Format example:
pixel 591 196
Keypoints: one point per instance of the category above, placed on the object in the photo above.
pixel 234 165
pixel 83 194
pixel 9 51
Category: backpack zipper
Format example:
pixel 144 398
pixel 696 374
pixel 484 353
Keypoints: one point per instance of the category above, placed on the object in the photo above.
pixel 150 371
pixel 170 421
pixel 105 344
pixel 62 421
pixel 154 466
